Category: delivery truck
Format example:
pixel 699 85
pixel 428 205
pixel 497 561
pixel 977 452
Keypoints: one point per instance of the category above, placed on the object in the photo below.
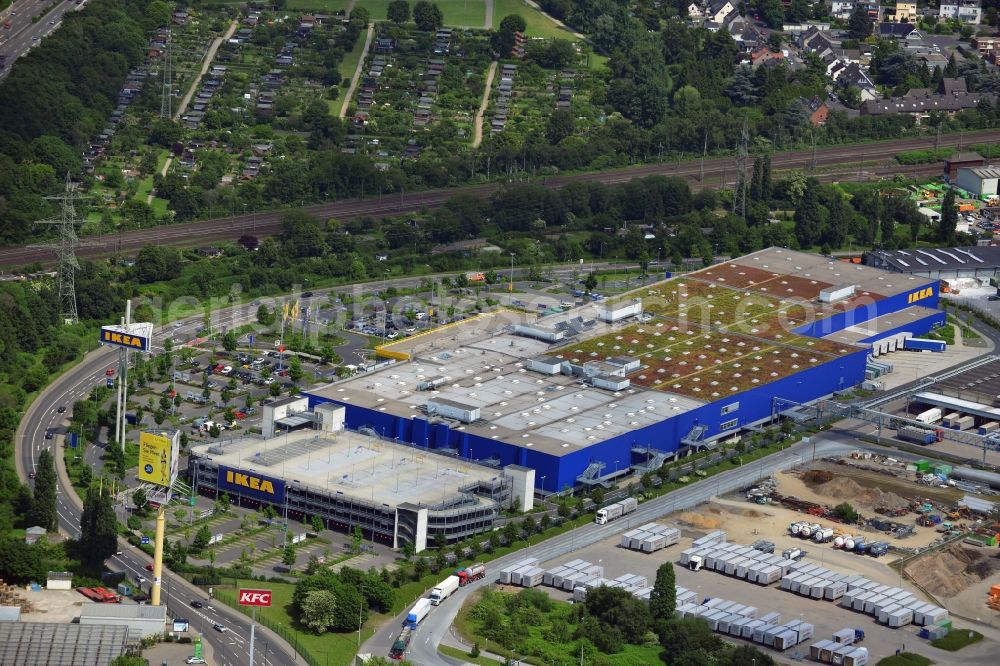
pixel 616 510
pixel 418 612
pixel 444 590
pixel 930 416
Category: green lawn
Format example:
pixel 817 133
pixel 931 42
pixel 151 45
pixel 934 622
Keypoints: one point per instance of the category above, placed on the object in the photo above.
pixel 377 8
pixel 956 639
pixel 464 13
pixel 330 648
pixel 322 6
pixel 347 65
pixel 539 25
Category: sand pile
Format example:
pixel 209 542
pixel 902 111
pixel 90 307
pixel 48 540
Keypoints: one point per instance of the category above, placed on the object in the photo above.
pixel 951 570
pixel 709 519
pixel 841 488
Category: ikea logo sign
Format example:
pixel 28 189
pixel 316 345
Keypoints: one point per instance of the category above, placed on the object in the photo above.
pixel 920 295
pixel 119 339
pixel 247 484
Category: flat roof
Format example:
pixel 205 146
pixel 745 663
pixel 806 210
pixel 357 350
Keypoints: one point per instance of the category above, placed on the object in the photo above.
pixel 853 335
pixel 940 259
pixel 980 384
pixel 352 464
pixel 706 336
pixel 52 644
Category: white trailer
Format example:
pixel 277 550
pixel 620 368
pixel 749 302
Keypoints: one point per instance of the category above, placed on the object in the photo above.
pixel 447 588
pixel 616 510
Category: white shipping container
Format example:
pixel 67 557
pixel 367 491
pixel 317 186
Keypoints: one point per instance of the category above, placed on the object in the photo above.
pixel 784 640
pixel 861 599
pixel 857 657
pixel 760 632
pixel 835 590
pixel 837 655
pixel 749 628
pixel 773 617
pixel 736 626
pixel 844 636
pixel 900 617
pixel 817 649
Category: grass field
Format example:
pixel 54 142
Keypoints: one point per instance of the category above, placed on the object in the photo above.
pixel 346 69
pixel 956 639
pixel 905 659
pixel 465 13
pixel 539 25
pixel 329 648
pixel 322 6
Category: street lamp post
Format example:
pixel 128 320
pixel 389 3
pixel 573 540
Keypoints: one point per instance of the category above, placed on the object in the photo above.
pixel 510 287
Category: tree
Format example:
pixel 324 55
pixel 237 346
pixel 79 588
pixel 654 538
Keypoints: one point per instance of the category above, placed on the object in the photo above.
pixel 681 636
pixel 43 505
pixel 513 23
pixel 318 610
pixel 139 499
pixel 859 24
pixel 288 557
pixel 663 597
pixel 20 562
pixel 98 528
pixel 317 523
pixel 562 123
pixel 808 219
pixel 771 12
pixel 295 371
pixel 229 341
pixel 265 317
pixel 949 218
pixel 129 660
pixel 846 512
pixel 201 538
pixel 428 16
pixel 398 11
pixel 590 282
pixel 86 476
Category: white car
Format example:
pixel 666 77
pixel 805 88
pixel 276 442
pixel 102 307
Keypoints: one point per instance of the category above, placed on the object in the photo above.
pixel 195 660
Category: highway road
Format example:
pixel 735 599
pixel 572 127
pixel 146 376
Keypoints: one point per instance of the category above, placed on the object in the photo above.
pixel 23 35
pixel 717 171
pixel 431 632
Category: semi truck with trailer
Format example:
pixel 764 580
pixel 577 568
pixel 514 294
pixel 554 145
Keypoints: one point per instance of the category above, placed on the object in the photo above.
pixel 444 590
pixel 402 642
pixel 616 510
pixel 418 612
pixel 471 574
pixel 930 416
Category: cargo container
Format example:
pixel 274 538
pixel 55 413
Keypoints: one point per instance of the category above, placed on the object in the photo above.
pixel 823 535
pixel 856 657
pixel 418 612
pixel 718 536
pixel 862 599
pixel 736 626
pixel 929 416
pixel 749 628
pixel 988 427
pixel 965 423
pixel 916 435
pixel 820 650
pixel 532 577
pixel 844 636
pixel 950 419
pixel 616 510
pixel 770 618
pixel 933 615
pixel 837 654
pixel 835 590
pixel 784 640
pixel 900 617
pixel 923 344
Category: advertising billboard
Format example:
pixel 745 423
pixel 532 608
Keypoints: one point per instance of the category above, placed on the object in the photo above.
pixel 255 597
pixel 157 458
pixel 134 336
pixel 251 484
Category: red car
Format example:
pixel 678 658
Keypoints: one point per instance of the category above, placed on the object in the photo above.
pixel 241 415
pixel 110 372
pixel 149 567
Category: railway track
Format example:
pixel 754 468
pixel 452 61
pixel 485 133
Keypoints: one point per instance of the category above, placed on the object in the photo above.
pixel 854 159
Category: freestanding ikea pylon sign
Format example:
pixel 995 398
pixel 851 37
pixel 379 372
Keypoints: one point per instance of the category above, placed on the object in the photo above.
pixel 130 336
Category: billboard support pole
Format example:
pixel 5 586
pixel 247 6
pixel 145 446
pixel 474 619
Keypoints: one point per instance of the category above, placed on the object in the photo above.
pixel 161 520
pixel 253 625
pixel 123 380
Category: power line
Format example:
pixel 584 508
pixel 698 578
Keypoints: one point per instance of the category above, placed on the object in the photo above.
pixel 65 249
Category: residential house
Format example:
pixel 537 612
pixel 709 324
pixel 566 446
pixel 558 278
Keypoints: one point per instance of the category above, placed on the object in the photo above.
pixel 850 74
pixel 818 111
pixel 815 41
pixel 716 11
pixel 905 11
pixel 985 46
pixel 694 11
pixel 842 9
pixel 966 11
pixel 932 61
pixel 904 32
pixel 955 86
pixel 763 56
pixel 923 107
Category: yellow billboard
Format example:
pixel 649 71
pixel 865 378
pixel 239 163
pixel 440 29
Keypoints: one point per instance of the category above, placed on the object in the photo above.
pixel 155 458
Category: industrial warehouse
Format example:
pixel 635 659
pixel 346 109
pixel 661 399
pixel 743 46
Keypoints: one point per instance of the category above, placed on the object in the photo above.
pixel 589 394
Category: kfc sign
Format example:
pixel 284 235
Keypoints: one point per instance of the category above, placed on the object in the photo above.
pixel 255 597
